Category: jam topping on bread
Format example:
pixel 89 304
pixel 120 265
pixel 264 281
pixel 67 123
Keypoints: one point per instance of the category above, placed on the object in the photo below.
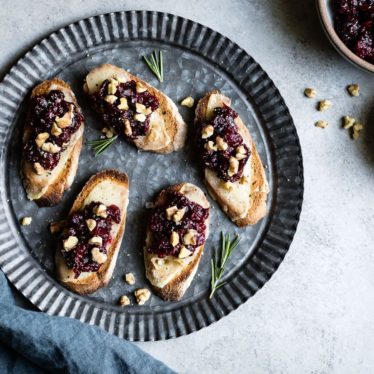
pixel 221 147
pixel 125 106
pixel 87 235
pixel 178 227
pixel 52 121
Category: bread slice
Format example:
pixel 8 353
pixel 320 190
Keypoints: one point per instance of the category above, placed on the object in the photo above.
pixel 168 130
pixel 245 204
pixel 47 189
pixel 108 187
pixel 170 276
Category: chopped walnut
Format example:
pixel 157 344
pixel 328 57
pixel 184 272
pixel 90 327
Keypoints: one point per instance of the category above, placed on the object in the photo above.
pixel 70 243
pixel 207 132
pixel 123 105
pixel 91 224
pixel 98 256
pixel 130 279
pixel 55 131
pixel 324 105
pixel 41 139
pixel 142 295
pixel 171 211
pixel 65 120
pixel 210 146
pixel 140 108
pixel 188 102
pixel 184 252
pixel 112 86
pixel 128 129
pixel 110 99
pixel 140 87
pixel 51 148
pixel 357 128
pixel 348 122
pixel 140 117
pixel 124 300
pixel 174 238
pixel 179 214
pixel 96 240
pixel 321 124
pixel 100 211
pixel 26 221
pixel 354 89
pixel 221 144
pixel 190 237
pixel 233 166
pixel 310 92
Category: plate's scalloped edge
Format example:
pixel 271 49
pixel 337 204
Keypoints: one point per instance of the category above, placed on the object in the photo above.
pixel 77 38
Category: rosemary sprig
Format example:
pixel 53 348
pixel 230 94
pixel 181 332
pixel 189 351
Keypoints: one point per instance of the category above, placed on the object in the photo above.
pixel 155 64
pixel 218 267
pixel 99 146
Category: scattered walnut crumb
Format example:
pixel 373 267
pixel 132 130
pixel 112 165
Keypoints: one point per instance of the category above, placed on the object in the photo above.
pixel 354 89
pixel 130 279
pixel 310 93
pixel 357 128
pixel 124 300
pixel 348 122
pixel 324 105
pixel 188 102
pixel 321 124
pixel 142 295
pixel 26 221
pixel 108 132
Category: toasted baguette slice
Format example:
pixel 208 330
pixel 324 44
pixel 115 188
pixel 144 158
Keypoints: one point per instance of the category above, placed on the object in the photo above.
pixel 170 276
pixel 108 187
pixel 168 130
pixel 245 204
pixel 47 189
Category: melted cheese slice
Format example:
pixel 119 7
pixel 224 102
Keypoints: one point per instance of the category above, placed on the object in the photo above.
pixel 160 271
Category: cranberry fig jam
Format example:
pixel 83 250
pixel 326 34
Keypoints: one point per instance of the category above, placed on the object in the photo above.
pixel 52 121
pixel 86 236
pixel 354 23
pixel 125 107
pixel 220 145
pixel 178 227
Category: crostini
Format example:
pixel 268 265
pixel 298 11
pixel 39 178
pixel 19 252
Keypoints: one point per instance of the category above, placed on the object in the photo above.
pixel 177 230
pixel 233 171
pixel 90 241
pixel 52 142
pixel 135 110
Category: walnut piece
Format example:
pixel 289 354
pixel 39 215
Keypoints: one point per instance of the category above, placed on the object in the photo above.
pixel 354 89
pixel 188 102
pixel 55 131
pixel 124 300
pixel 207 132
pixel 233 166
pixel 110 99
pixel 100 210
pixel 221 144
pixel 96 240
pixel 130 279
pixel 324 105
pixel 321 124
pixel 210 146
pixel 189 237
pixel 348 122
pixel 41 138
pixel 139 117
pixel 123 104
pixel 174 238
pixel 91 224
pixel 184 252
pixel 51 148
pixel 70 243
pixel 140 88
pixel 179 214
pixel 26 221
pixel 112 86
pixel 310 92
pixel 171 211
pixel 66 119
pixel 142 295
pixel 128 129
pixel 98 256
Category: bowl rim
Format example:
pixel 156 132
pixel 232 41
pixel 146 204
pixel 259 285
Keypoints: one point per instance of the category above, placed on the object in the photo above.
pixel 336 41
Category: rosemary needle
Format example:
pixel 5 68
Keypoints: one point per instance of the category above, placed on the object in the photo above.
pixel 155 64
pixel 99 146
pixel 218 267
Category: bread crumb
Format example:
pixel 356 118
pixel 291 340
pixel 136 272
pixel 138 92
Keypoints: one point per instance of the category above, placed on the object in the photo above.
pixel 130 279
pixel 354 89
pixel 124 300
pixel 26 221
pixel 310 92
pixel 142 295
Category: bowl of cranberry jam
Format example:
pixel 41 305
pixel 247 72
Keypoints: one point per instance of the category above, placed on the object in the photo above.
pixel 85 231
pixel 43 118
pixel 220 145
pixel 349 25
pixel 177 227
pixel 125 107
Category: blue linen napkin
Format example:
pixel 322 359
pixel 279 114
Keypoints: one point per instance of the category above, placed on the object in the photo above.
pixel 34 342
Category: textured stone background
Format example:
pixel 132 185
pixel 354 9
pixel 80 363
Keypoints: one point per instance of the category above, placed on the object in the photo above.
pixel 316 313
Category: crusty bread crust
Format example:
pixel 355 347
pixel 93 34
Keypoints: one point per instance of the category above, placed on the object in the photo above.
pixel 176 287
pixel 259 187
pixel 55 184
pixel 98 279
pixel 175 126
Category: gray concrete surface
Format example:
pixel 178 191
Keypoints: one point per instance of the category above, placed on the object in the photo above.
pixel 316 315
